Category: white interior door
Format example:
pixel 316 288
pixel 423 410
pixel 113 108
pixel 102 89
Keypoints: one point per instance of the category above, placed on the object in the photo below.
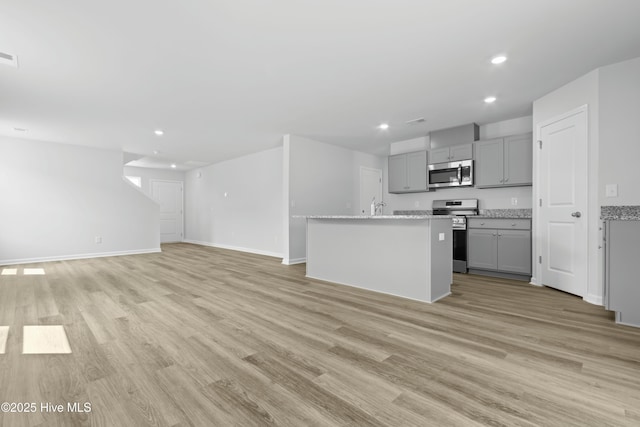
pixel 370 187
pixel 563 210
pixel 168 194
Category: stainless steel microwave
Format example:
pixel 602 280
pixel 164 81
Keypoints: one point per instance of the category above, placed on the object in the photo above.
pixel 452 174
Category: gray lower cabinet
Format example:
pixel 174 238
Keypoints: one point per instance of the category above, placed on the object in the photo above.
pixel 503 162
pixel 408 172
pixel 622 287
pixel 500 246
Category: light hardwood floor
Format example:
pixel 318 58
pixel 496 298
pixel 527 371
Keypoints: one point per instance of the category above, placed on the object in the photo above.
pixel 208 337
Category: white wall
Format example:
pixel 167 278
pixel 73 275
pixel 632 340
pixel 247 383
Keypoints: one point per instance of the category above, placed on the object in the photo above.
pixel 409 145
pixel 506 127
pixel 488 198
pixel 237 204
pixel 322 179
pixel 148 174
pixel 619 128
pixel 57 198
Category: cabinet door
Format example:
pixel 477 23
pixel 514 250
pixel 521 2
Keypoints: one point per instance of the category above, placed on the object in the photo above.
pixel 518 159
pixel 417 171
pixel 514 251
pixel 461 152
pixel 623 287
pixel 398 173
pixel 439 155
pixel 483 249
pixel 489 164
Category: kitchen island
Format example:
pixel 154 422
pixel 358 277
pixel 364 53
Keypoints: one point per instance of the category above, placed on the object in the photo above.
pixel 404 255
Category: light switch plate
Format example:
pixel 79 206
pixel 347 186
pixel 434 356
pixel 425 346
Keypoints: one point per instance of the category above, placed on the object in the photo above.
pixel 611 190
pixel 440 236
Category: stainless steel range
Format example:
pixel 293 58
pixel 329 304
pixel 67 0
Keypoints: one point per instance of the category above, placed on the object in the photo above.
pixel 461 209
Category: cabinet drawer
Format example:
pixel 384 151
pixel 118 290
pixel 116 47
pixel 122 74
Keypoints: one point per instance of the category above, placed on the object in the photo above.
pixel 500 223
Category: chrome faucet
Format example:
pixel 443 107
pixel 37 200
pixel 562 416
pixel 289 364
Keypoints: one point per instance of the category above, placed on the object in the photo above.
pixel 376 208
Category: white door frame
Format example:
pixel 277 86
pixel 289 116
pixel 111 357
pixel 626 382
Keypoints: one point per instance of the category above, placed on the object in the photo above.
pixel 594 279
pixel 151 181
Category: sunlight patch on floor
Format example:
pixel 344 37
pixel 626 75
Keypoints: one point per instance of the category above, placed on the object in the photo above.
pixel 4 333
pixel 45 339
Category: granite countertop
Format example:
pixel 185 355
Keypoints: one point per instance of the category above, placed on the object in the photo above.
pixel 505 213
pixel 625 213
pixel 376 216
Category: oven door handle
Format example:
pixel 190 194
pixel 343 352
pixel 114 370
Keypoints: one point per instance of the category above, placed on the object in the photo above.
pixel 460 174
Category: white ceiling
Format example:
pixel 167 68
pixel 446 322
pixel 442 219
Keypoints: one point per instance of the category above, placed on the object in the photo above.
pixel 224 78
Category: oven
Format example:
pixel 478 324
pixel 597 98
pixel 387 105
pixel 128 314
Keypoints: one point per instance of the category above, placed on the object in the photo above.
pixel 460 209
pixel 453 174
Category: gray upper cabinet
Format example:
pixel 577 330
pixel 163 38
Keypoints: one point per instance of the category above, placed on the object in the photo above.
pixel 397 173
pixel 408 172
pixel 451 154
pixel 504 161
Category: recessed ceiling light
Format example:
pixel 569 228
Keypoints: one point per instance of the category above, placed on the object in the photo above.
pixel 490 99
pixel 383 126
pixel 498 59
pixel 156 152
pixel 173 165
pixel 159 132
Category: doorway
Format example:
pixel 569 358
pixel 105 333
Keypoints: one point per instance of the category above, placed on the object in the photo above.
pixel 370 187
pixel 169 195
pixel 562 153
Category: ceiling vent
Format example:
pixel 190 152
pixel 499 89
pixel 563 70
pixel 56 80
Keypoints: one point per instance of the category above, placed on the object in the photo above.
pixel 416 121
pixel 8 59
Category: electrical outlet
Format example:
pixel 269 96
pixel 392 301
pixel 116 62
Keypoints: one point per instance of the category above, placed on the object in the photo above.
pixel 514 201
pixel 611 190
pixel 440 236
pixel 416 204
pixel 97 240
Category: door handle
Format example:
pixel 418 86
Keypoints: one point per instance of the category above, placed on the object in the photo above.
pixel 576 214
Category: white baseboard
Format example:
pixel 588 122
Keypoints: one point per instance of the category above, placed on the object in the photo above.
pixel 379 292
pixel 534 282
pixel 77 256
pixel 593 299
pixel 293 261
pixel 234 248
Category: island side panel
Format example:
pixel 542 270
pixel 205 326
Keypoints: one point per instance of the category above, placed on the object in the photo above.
pixel 441 258
pixel 389 256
